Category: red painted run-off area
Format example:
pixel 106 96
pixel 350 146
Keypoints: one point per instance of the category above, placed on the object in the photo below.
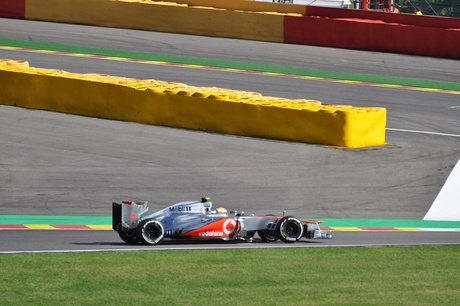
pixel 375 31
pixel 13 8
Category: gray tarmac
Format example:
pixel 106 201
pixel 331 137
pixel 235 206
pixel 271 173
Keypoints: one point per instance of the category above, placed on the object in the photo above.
pixel 39 241
pixel 58 164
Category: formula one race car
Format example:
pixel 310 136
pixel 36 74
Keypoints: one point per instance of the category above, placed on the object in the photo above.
pixel 197 220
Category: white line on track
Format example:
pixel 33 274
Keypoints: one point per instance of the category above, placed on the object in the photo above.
pixel 173 248
pixel 446 206
pixel 232 247
pixel 423 132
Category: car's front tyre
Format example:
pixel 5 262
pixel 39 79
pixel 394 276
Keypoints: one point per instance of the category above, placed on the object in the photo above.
pixel 289 229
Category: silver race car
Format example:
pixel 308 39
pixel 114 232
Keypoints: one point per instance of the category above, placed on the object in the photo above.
pixel 197 220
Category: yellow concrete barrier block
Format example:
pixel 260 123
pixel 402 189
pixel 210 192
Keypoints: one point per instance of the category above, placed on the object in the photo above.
pixel 161 16
pixel 179 105
pixel 14 63
pixel 243 5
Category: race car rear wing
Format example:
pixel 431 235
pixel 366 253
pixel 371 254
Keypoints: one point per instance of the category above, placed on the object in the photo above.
pixel 128 213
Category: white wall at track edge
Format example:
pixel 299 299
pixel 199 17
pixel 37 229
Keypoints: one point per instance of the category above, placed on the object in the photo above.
pixel 446 206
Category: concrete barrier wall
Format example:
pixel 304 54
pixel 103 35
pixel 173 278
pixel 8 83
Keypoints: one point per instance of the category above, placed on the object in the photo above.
pixel 406 19
pixel 163 17
pixel 245 5
pixel 376 31
pixel 224 111
pixel 178 105
pixel 13 8
pixel 352 34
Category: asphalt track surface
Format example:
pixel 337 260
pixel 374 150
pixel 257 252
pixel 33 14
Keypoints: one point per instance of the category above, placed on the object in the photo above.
pixel 59 164
pixel 35 241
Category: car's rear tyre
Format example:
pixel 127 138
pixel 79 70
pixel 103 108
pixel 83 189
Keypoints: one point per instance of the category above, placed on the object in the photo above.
pixel 268 236
pixel 289 229
pixel 129 239
pixel 150 231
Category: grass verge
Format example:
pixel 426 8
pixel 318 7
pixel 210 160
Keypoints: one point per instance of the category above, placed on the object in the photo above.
pixel 418 275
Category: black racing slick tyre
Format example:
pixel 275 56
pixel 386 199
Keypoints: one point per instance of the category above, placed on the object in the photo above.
pixel 129 239
pixel 289 229
pixel 150 231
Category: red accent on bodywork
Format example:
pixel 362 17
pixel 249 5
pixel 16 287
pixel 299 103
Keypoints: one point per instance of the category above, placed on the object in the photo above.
pixel 312 221
pixel 214 229
pixel 127 202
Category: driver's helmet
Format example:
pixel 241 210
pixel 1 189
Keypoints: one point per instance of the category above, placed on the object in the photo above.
pixel 221 210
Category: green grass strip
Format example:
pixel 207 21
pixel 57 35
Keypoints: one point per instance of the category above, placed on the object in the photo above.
pixel 422 83
pixel 416 275
pixel 328 222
